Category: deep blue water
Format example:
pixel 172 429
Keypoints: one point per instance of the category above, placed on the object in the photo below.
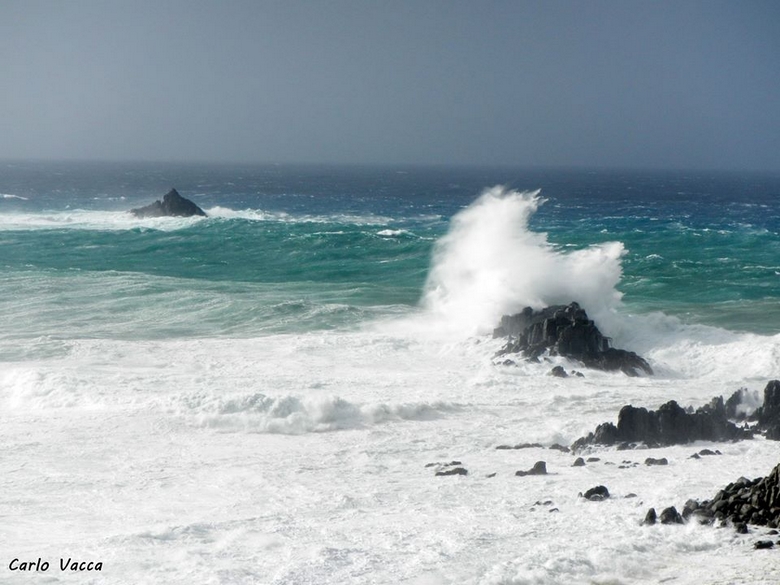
pixel 296 248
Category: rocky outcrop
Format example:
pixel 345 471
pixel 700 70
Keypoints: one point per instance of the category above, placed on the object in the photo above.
pixel 172 204
pixel 673 425
pixel 451 468
pixel 740 503
pixel 565 330
pixel 596 494
pixel 539 468
pixel 669 425
pixel 768 416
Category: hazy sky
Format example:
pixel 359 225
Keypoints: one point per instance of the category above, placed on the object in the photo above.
pixel 575 83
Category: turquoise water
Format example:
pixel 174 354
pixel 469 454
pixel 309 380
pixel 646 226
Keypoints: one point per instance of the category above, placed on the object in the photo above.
pixel 293 249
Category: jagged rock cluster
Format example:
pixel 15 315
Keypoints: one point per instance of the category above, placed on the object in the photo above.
pixel 669 425
pixel 172 204
pixel 567 331
pixel 740 503
pixel 768 416
pixel 673 425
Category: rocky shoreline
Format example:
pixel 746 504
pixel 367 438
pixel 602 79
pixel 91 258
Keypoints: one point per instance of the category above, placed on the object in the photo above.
pixel 566 331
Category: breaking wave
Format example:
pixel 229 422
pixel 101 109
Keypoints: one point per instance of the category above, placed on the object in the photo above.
pixel 292 415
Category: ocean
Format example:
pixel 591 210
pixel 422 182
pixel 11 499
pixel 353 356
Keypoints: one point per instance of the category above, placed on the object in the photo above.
pixel 253 397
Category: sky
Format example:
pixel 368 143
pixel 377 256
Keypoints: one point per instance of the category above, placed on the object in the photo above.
pixel 615 84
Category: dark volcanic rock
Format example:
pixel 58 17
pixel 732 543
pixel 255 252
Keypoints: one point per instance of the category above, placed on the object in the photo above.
pixel 734 404
pixel 669 425
pixel 521 446
pixel 578 462
pixel 539 468
pixel 172 204
pixel 596 494
pixel 689 508
pixel 559 372
pixel 559 447
pixel 670 515
pixel 453 471
pixel 741 503
pixel 653 461
pixel 565 330
pixel 769 414
pixel 762 544
pixel 650 517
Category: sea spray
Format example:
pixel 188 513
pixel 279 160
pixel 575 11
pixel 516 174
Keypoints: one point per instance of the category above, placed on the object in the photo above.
pixel 490 263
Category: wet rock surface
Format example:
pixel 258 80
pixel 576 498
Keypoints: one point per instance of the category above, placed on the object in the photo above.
pixel 673 425
pixel 669 425
pixel 539 468
pixel 596 494
pixel 741 503
pixel 451 468
pixel 565 330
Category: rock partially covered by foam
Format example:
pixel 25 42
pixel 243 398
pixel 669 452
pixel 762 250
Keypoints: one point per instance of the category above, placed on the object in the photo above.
pixel 742 502
pixel 769 414
pixel 172 204
pixel 565 330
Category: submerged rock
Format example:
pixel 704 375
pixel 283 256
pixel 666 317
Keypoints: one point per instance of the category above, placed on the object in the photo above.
pixel 172 204
pixel 539 468
pixel 559 372
pixel 559 447
pixel 567 331
pixel 453 471
pixel 653 461
pixel 451 468
pixel 520 446
pixel 596 494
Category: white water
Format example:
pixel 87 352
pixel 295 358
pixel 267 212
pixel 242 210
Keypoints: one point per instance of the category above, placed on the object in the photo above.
pixel 292 459
pixel 490 264
pixel 85 219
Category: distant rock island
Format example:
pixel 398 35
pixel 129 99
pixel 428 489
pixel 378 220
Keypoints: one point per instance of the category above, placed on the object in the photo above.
pixel 567 331
pixel 173 205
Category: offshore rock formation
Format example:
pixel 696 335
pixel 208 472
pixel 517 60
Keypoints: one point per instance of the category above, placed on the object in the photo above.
pixel 673 425
pixel 172 204
pixel 565 330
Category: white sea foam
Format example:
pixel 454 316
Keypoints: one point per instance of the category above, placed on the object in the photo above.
pixel 12 196
pixel 81 219
pixel 490 263
pixel 293 415
pixel 391 233
pixel 301 458
pixel 281 216
pixel 304 457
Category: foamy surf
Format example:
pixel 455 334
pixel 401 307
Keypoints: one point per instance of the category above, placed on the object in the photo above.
pixel 257 397
pixel 491 264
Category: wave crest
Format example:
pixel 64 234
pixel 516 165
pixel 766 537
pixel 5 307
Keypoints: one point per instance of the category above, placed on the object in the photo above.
pixel 490 263
pixel 291 415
